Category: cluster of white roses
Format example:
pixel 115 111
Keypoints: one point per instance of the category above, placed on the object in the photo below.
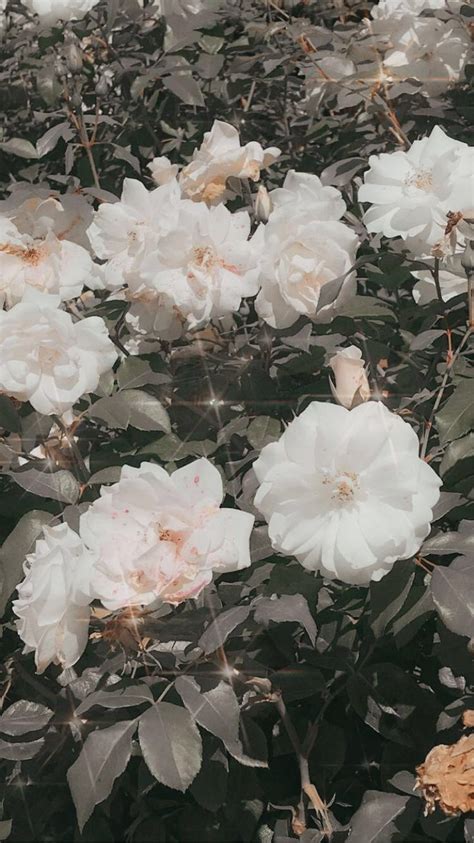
pixel 46 356
pixel 343 490
pixel 50 12
pixel 404 46
pixel 422 197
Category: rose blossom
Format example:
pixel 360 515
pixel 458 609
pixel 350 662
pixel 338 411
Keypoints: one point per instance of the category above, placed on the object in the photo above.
pixel 412 192
pixel 219 157
pixel 38 210
pixel 345 491
pixel 52 11
pixel 205 265
pixel 352 386
pixel 123 232
pixel 48 359
pixel 52 604
pixel 161 536
pixel 432 51
pixel 162 170
pixel 305 265
pixel 46 264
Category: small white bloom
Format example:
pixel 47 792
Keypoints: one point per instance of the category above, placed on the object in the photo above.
pixel 307 253
pixel 432 51
pixel 412 192
pixel 346 492
pixel 37 211
pixel 46 264
pixel 352 386
pixel 52 11
pixel 219 157
pixel 160 537
pixel 162 170
pixel 52 604
pixel 206 265
pixel 48 359
pixel 123 232
pixel 452 281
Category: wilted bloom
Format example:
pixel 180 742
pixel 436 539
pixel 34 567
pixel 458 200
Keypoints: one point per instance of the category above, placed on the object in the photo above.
pixel 346 492
pixel 219 157
pixel 351 387
pixel 412 192
pixel 48 359
pixel 162 170
pixel 53 599
pixel 52 11
pixel 206 265
pixel 160 537
pixel 306 254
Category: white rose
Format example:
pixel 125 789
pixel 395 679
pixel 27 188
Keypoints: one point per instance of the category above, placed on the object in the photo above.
pixel 124 232
pixel 37 210
pixel 304 194
pixel 160 537
pixel 52 11
pixel 431 51
pixel 219 157
pixel 162 170
pixel 352 386
pixel 206 265
pixel 345 491
pixel 411 192
pixel 48 359
pixel 48 265
pixel 52 604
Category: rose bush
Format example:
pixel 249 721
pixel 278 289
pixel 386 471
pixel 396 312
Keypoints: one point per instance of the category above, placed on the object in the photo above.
pixel 236 424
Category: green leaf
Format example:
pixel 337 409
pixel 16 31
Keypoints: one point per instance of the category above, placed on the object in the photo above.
pixel 452 590
pixel 389 594
pixel 457 416
pixel 171 745
pixel 291 608
pixel 457 452
pixel 263 430
pixel 132 407
pixel 15 548
pixel 365 307
pixel 103 758
pixel 380 818
pixel 185 88
pixel 58 485
pixel 24 716
pixel 19 146
pixel 9 418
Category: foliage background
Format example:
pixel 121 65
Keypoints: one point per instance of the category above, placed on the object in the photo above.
pixel 371 679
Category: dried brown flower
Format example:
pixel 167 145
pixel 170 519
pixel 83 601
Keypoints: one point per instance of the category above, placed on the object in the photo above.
pixel 447 777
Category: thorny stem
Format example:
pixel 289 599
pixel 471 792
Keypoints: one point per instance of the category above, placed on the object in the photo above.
pixel 78 458
pixel 439 397
pixel 87 143
pixel 307 787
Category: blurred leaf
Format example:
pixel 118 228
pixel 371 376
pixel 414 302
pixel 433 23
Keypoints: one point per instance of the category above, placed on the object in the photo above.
pixel 389 594
pixel 382 818
pixel 452 589
pixel 58 485
pixel 19 146
pixel 15 548
pixel 457 416
pixel 263 430
pixel 289 608
pixel 9 418
pixel 185 88
pixel 221 627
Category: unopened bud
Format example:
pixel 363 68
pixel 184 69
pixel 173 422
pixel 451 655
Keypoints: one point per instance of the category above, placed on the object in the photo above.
pixel 101 87
pixel 351 387
pixel 61 68
pixel 263 204
pixel 76 101
pixel 74 58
